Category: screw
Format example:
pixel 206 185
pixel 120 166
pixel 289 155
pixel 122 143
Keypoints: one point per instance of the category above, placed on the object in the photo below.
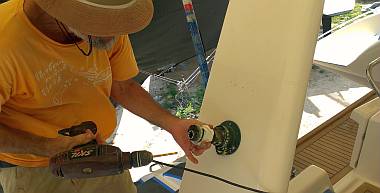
pixel 87 170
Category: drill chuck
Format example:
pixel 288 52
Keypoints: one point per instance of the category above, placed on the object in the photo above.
pixel 140 158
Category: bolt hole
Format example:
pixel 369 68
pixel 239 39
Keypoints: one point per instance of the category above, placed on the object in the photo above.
pixel 191 134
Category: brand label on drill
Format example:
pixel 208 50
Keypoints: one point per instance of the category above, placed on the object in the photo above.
pixel 81 152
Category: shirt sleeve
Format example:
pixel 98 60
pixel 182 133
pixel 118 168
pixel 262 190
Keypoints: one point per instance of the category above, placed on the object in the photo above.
pixel 122 60
pixel 5 82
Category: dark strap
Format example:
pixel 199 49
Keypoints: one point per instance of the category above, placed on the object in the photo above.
pixel 4 164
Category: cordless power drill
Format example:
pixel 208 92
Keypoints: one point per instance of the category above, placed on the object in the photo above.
pixel 94 160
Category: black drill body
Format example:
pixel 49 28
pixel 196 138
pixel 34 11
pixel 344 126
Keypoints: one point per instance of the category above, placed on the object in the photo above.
pixel 94 160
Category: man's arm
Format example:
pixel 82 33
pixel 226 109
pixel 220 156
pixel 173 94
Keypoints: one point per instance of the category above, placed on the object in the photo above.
pixel 133 97
pixel 13 140
pixel 21 142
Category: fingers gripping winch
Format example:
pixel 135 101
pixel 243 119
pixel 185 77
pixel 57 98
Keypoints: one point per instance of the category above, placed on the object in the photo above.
pixel 225 137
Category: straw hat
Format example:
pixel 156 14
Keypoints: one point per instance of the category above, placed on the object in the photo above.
pixel 101 17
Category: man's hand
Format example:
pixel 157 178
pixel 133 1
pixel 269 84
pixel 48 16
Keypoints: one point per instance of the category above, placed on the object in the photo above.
pixel 60 144
pixel 179 131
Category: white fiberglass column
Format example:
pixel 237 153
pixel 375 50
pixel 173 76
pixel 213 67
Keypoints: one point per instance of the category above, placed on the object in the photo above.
pixel 258 80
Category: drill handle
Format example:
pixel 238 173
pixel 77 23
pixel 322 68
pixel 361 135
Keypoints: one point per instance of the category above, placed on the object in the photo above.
pixel 80 129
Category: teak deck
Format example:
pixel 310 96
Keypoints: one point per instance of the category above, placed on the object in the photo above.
pixel 330 145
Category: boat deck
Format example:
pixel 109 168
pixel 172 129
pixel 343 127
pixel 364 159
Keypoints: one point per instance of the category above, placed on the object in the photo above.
pixel 330 145
pixel 367 188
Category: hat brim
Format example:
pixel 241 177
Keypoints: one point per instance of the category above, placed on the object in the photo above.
pixel 100 20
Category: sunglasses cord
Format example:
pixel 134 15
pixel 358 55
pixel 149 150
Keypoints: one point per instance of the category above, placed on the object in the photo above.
pixel 72 39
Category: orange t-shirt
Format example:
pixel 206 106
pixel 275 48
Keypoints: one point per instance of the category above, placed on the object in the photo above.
pixel 46 86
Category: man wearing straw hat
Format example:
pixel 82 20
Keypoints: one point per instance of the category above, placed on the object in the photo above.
pixel 60 61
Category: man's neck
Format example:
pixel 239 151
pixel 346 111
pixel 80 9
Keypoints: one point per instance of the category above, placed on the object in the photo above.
pixel 46 24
